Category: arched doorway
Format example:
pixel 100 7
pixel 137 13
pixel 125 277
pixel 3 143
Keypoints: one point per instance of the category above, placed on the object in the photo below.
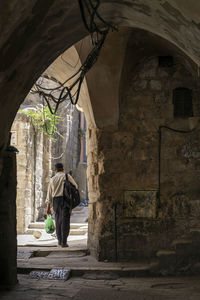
pixel 38 34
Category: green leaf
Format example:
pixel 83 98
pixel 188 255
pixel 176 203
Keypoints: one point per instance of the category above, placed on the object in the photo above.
pixel 43 120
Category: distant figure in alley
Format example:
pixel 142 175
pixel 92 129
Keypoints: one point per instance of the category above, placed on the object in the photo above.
pixel 60 205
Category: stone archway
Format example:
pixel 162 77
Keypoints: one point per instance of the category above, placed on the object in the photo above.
pixel 110 154
pixel 38 32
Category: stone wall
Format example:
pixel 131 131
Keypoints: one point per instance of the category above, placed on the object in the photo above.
pixel 42 173
pixel 66 148
pixel 23 133
pixel 8 241
pixel 25 52
pixel 148 199
pixel 33 170
pixel 81 180
pixel 38 155
pixel 81 172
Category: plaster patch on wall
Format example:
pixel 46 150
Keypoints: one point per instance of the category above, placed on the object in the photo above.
pixel 195 208
pixel 14 138
pixel 140 204
pixel 181 205
pixel 190 149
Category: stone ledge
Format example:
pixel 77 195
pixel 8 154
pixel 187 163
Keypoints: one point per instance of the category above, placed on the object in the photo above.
pixel 165 253
pixel 81 271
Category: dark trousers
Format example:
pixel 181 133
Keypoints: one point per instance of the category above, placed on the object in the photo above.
pixel 62 218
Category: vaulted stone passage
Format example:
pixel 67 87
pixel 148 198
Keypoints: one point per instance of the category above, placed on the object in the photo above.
pixel 140 200
pixel 138 149
pixel 40 148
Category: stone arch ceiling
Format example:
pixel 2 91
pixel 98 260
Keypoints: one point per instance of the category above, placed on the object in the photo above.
pixel 175 20
pixel 99 92
pixel 34 33
pixel 64 67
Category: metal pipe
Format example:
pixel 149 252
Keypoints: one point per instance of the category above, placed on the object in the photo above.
pixel 34 174
pixel 115 231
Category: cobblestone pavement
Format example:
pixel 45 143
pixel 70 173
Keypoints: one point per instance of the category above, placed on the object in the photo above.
pixel 99 280
pixel 80 288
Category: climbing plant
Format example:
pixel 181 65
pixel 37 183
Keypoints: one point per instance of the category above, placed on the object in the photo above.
pixel 43 120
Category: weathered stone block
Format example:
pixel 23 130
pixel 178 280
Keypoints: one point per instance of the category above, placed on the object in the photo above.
pixel 129 162
pixel 122 140
pixel 195 208
pixel 155 85
pixel 140 204
pixel 142 179
pixel 106 181
pixel 149 69
pixel 184 247
pixel 166 258
pixel 140 85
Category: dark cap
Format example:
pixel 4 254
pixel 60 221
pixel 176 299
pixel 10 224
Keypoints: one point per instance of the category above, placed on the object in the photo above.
pixel 59 167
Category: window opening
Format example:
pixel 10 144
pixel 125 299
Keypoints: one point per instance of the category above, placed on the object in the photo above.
pixel 182 100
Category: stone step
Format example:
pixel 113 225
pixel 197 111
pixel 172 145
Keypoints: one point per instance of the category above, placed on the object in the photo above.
pixel 195 235
pixel 36 225
pixel 31 231
pixel 184 255
pixel 75 229
pixel 78 261
pixel 77 213
pixel 184 247
pixel 181 242
pixel 97 273
pixel 40 225
pixel 110 272
pixel 79 225
pixel 64 252
pixel 164 253
pixel 78 231
pixel 79 208
pixel 72 231
pixel 195 229
pixel 78 219
pixel 166 258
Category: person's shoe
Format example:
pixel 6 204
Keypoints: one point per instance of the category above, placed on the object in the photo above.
pixel 59 244
pixel 65 245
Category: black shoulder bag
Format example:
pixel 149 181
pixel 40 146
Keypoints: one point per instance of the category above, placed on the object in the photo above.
pixel 71 194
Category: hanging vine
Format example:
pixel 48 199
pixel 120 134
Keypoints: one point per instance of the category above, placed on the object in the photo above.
pixel 44 121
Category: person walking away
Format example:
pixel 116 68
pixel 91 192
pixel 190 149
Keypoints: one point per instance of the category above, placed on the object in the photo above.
pixel 60 206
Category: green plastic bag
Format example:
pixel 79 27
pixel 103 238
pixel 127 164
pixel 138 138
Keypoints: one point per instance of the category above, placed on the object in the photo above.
pixel 49 225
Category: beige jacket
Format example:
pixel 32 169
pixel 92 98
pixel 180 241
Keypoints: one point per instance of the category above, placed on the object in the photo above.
pixel 56 186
